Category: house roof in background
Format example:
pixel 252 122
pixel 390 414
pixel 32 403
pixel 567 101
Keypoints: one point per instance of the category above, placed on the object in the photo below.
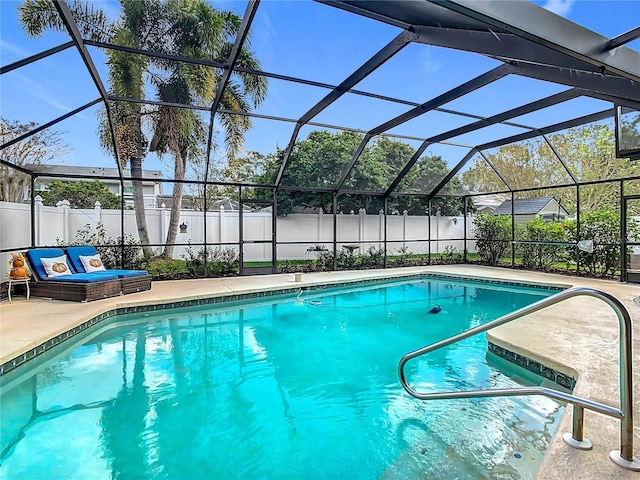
pixel 55 170
pixel 526 206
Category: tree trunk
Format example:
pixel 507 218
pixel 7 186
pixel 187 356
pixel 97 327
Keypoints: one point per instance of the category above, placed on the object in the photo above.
pixel 138 203
pixel 174 218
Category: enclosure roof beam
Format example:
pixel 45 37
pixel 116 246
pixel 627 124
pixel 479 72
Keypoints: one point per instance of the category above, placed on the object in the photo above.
pixel 153 54
pixel 35 58
pixel 414 158
pixel 504 46
pixel 513 113
pixel 626 37
pixel 269 117
pixel 352 162
pixel 452 173
pixel 576 122
pixel 485 122
pixel 457 92
pixel 560 159
pixel 542 27
pixel 464 89
pixel 276 76
pixel 388 51
pixel 597 82
pixel 70 24
pixel 613 99
pixel 506 184
pixel 243 32
pixel 15 166
pixel 49 124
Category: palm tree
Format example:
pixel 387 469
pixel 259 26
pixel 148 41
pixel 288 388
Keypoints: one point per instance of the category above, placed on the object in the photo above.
pixel 126 76
pixel 191 28
pixel 199 31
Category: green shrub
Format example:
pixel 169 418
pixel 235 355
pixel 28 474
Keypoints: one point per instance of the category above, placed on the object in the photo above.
pixel 540 256
pixel 601 225
pixel 167 269
pixel 372 258
pixel 403 255
pixel 451 254
pixel 219 261
pixel 109 247
pixel 324 262
pixel 493 234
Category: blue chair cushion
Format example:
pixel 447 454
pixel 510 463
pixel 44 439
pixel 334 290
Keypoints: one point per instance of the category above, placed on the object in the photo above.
pixel 85 277
pixel 126 273
pixel 35 256
pixel 87 250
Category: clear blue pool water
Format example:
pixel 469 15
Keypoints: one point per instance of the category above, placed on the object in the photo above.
pixel 288 388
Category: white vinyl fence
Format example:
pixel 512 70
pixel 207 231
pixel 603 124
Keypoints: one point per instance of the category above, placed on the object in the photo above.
pixel 60 224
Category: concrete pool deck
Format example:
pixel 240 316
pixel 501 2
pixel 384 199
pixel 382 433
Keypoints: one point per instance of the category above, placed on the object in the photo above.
pixel 578 337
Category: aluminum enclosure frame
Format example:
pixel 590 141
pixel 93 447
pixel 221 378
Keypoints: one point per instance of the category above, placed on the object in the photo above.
pixel 529 40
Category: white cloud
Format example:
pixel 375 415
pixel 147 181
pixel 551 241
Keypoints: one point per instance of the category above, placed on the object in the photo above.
pixel 429 63
pixel 559 7
pixel 37 90
pixel 8 47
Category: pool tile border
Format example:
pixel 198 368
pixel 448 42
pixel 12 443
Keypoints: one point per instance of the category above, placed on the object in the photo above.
pixel 54 341
pixel 533 366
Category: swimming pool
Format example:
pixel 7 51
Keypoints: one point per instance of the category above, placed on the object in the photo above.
pixel 296 386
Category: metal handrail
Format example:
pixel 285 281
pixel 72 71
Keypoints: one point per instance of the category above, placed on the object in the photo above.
pixel 623 457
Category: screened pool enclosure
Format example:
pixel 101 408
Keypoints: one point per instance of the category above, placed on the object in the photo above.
pixel 296 136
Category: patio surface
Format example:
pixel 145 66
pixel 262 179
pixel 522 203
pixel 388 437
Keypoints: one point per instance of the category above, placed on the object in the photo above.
pixel 578 336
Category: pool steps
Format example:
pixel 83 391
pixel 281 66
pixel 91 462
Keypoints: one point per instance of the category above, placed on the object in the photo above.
pixel 623 457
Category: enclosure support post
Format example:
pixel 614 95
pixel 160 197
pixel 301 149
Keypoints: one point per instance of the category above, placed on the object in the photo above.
pixel 465 212
pixel 33 213
pixel 240 233
pixel 578 227
pixel 513 230
pixel 335 231
pixel 204 224
pixel 623 236
pixel 274 233
pixel 384 233
pixel 429 232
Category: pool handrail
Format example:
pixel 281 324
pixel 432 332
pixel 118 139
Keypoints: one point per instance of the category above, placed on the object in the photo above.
pixel 623 457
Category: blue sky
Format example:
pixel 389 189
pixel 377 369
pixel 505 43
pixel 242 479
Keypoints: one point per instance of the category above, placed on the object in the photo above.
pixel 316 42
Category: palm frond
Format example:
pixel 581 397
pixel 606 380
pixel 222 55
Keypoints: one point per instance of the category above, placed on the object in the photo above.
pixel 36 16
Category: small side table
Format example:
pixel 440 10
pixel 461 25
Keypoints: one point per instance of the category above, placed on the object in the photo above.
pixel 16 281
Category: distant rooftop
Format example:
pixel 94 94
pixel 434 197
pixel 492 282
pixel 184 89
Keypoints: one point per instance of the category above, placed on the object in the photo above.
pixel 44 169
pixel 524 206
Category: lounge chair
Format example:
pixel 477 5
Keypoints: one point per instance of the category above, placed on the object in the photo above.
pixel 68 285
pixel 132 280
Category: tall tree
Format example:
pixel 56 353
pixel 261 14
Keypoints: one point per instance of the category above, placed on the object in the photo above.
pixel 197 30
pixel 630 131
pixel 37 149
pixel 318 161
pixel 81 194
pixel 191 28
pixel 588 152
pixel 126 75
